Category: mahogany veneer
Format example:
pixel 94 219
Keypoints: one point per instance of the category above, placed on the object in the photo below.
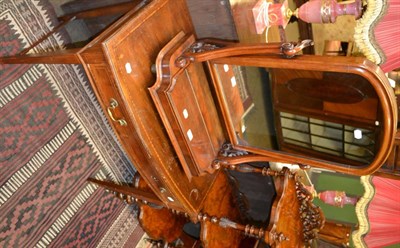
pixel 173 134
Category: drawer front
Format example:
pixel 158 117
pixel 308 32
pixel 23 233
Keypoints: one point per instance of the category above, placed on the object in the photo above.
pixel 115 109
pixel 110 100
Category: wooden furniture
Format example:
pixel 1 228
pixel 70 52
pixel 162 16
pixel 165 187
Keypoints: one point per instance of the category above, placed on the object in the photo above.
pixel 295 219
pixel 261 135
pixel 165 224
pixel 70 56
pixel 118 63
pixel 168 101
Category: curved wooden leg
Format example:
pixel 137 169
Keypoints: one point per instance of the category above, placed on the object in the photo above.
pixel 220 201
pixel 161 224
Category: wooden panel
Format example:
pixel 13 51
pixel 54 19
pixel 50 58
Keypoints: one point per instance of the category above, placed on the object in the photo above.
pixel 366 110
pixel 57 57
pixel 212 234
pixel 207 106
pixel 191 121
pixel 190 118
pixel 106 90
pixel 131 46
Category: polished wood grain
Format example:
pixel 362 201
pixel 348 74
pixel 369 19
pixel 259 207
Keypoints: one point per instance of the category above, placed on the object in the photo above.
pixel 348 98
pixel 294 221
pixel 160 223
pixel 334 233
pixel 210 49
pixel 119 65
pixel 286 220
pixel 144 194
pixel 220 202
pixel 69 56
pixel 166 224
pixel 191 121
pixel 131 46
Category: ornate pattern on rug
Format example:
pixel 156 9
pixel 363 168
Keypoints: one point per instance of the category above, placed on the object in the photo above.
pixel 53 135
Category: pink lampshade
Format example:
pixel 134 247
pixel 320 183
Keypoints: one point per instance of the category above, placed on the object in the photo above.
pixel 377 33
pixel 378 212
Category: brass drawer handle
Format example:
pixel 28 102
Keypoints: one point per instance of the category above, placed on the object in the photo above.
pixel 113 105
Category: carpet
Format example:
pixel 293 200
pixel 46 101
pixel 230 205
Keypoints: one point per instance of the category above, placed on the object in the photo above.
pixel 53 136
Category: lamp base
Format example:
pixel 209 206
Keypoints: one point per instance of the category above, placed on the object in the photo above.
pixel 266 14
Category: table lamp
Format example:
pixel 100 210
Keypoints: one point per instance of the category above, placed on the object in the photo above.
pixel 267 14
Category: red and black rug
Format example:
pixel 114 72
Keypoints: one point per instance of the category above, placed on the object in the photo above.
pixel 53 136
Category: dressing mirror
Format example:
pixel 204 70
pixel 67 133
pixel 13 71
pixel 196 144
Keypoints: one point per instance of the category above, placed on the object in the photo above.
pixel 337 113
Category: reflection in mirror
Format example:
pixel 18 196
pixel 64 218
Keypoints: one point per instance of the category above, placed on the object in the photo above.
pixel 326 115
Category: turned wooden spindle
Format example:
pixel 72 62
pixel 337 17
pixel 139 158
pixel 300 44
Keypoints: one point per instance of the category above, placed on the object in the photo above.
pixel 179 213
pixel 127 193
pixel 248 230
pixel 246 168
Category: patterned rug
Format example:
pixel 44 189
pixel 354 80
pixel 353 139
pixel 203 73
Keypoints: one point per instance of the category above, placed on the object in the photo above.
pixel 53 136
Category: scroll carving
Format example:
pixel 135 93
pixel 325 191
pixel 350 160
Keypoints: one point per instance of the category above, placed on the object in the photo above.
pixel 227 150
pixel 203 46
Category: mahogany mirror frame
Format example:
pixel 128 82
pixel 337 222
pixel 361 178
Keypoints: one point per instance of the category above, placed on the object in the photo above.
pixel 356 65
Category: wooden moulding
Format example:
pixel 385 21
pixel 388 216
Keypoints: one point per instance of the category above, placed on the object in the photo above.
pixel 184 102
